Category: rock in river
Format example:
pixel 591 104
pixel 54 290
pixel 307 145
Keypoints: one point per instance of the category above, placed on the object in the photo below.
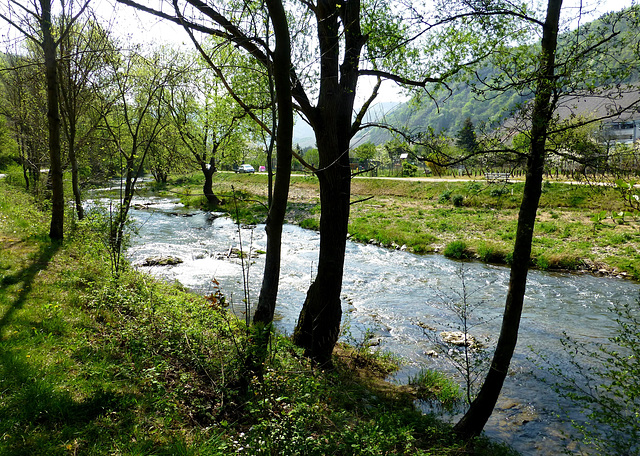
pixel 161 261
pixel 458 338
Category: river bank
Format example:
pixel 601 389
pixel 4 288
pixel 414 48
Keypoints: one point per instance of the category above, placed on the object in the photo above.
pixel 102 365
pixel 579 228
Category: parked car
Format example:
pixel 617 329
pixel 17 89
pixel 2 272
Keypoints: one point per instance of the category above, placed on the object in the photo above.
pixel 245 169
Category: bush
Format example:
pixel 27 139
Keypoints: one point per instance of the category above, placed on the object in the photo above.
pixel 310 224
pixel 542 263
pixel 409 170
pixel 498 191
pixel 490 253
pixel 557 261
pixel 457 250
pixel 445 196
pixel 474 188
pixel 457 200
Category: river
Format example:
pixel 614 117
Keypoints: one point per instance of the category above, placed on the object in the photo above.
pixel 392 294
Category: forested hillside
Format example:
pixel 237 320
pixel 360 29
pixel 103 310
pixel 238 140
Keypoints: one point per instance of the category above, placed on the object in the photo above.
pixel 469 99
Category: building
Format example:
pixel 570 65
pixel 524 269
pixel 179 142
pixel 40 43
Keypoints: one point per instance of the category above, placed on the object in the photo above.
pixel 618 111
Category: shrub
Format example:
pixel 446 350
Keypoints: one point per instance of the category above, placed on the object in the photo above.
pixel 542 263
pixel 498 191
pixel 457 250
pixel 474 188
pixel 310 224
pixel 557 261
pixel 564 261
pixel 457 200
pixel 445 196
pixel 508 258
pixel 490 253
pixel 409 170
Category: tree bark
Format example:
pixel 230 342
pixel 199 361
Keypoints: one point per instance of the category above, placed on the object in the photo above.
pixel 473 422
pixel 207 188
pixel 75 185
pixel 319 322
pixel 56 230
pixel 284 138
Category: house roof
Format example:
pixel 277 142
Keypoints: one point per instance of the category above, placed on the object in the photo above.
pixel 616 105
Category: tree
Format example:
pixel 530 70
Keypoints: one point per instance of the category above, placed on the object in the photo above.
pixel 167 155
pixel 557 71
pixel 366 151
pixel 466 138
pixel 344 35
pixel 8 146
pixel 23 107
pixel 81 67
pixel 19 16
pixel 277 63
pixel 135 122
pixel 210 123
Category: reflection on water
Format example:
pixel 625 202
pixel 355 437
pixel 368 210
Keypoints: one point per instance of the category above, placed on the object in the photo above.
pixel 388 291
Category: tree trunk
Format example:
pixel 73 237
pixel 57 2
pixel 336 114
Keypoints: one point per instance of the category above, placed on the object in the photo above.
pixel 74 173
pixel 319 322
pixel 474 420
pixel 278 204
pixel 56 231
pixel 24 161
pixel 207 188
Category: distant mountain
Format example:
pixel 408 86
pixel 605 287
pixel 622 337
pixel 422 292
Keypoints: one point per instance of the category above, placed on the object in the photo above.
pixel 447 113
pixel 303 134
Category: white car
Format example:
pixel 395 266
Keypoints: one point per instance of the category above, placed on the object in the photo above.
pixel 245 169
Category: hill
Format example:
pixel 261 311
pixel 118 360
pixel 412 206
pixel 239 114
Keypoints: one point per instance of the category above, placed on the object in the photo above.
pixel 450 108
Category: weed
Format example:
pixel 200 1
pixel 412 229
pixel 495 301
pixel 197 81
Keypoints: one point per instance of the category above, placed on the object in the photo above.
pixel 457 200
pixel 491 253
pixel 445 196
pixel 310 223
pixel 474 188
pixel 457 250
pixel 542 263
pixel 433 385
pixel 547 227
pixel 498 191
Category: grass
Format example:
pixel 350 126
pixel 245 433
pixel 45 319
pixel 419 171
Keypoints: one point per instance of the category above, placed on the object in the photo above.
pixel 90 364
pixel 434 387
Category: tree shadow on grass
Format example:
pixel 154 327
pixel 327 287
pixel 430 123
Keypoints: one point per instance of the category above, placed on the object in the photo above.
pixel 36 416
pixel 43 419
pixel 26 277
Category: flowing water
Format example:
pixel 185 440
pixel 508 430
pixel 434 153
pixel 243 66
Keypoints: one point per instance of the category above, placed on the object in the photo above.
pixel 393 295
